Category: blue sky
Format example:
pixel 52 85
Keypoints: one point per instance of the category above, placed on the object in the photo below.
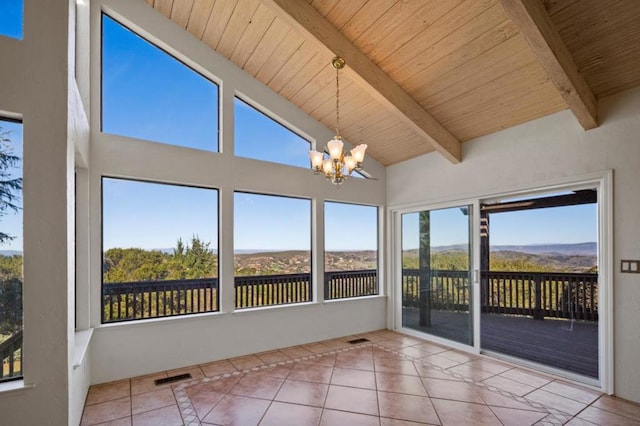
pixel 149 95
pixel 562 225
pixel 11 13
pixel 138 214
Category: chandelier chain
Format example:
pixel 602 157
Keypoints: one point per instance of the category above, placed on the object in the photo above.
pixel 337 101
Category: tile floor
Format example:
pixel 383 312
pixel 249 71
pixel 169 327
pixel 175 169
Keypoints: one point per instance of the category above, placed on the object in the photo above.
pixel 391 380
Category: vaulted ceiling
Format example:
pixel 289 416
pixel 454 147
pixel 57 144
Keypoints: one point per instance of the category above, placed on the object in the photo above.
pixel 425 75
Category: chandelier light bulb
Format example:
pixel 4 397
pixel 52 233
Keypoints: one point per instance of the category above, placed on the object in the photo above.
pixel 327 167
pixel 316 159
pixel 335 148
pixel 350 163
pixel 358 152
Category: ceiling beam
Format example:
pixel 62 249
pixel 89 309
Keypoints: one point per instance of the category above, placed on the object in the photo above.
pixel 536 26
pixel 307 20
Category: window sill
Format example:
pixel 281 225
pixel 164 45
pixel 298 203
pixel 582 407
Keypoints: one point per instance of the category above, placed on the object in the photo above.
pixel 145 322
pixel 272 307
pixel 353 299
pixel 80 346
pixel 14 387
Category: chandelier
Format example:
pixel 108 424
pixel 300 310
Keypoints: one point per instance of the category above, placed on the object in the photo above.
pixel 338 166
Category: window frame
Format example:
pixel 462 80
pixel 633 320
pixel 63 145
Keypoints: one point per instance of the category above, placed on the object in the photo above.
pixel 102 253
pixel 271 116
pixel 181 61
pixel 377 250
pixel 4 118
pixel 312 284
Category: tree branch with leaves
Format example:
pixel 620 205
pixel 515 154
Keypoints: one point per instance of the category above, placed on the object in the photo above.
pixel 10 186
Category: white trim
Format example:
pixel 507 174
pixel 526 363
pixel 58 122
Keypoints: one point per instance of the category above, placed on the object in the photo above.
pixel 606 270
pixel 8 389
pixel 476 274
pixel 439 340
pixel 81 340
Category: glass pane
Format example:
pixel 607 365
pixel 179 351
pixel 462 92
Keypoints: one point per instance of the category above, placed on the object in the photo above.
pixel 148 94
pixel 10 250
pixel 160 250
pixel 539 283
pixel 11 18
pixel 436 291
pixel 262 138
pixel 351 250
pixel 272 241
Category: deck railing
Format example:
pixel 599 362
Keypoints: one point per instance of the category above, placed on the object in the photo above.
pixel 541 294
pixel 536 294
pixel 267 290
pixel 153 299
pixel 11 357
pixel 346 284
pixel 448 291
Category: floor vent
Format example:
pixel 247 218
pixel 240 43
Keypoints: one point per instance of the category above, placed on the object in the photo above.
pixel 356 341
pixel 172 379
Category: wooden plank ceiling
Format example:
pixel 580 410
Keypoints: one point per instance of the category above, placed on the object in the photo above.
pixel 467 63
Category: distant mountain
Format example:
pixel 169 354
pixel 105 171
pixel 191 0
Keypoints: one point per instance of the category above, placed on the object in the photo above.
pixel 10 253
pixel 577 249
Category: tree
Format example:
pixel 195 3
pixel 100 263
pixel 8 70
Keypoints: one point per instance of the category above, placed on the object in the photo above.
pixel 10 186
pixel 10 294
pixel 195 260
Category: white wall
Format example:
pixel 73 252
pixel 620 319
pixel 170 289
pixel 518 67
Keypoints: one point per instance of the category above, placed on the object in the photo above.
pixel 542 151
pixel 135 348
pixel 34 85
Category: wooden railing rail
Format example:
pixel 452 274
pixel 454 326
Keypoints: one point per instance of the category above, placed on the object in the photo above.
pixel 537 294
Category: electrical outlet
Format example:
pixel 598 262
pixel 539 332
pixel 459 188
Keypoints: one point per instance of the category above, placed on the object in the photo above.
pixel 630 266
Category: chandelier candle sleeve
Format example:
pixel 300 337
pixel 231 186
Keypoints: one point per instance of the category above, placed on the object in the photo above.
pixel 333 168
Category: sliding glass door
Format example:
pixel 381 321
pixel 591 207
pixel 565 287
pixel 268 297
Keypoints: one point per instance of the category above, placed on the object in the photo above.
pixel 437 273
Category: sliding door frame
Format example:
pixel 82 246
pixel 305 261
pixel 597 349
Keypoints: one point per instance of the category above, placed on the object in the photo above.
pixel 602 181
pixel 396 270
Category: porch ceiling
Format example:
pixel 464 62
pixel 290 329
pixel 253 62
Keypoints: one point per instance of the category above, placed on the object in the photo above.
pixel 426 75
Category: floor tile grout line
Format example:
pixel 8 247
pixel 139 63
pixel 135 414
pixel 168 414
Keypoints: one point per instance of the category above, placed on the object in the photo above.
pixel 490 388
pixel 180 387
pixel 607 410
pixel 553 415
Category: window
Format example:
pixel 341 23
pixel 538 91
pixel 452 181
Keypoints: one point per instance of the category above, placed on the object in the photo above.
pixel 351 250
pixel 272 241
pixel 160 250
pixel 11 18
pixel 148 94
pixel 10 250
pixel 260 137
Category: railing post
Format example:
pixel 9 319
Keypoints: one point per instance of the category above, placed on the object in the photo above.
pixel 537 312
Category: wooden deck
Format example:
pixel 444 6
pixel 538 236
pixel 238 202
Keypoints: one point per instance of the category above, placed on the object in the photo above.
pixel 554 343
